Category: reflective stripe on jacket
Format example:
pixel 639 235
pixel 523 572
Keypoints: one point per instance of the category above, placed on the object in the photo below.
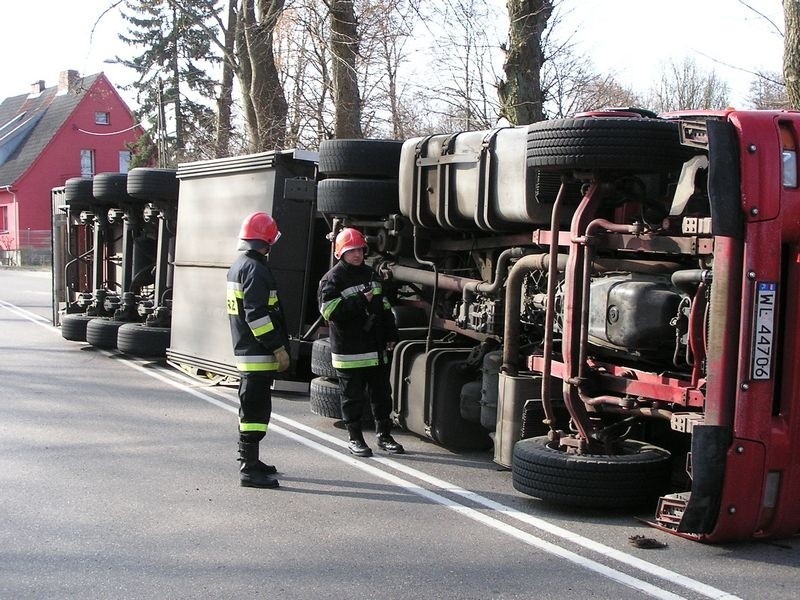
pixel 257 323
pixel 359 330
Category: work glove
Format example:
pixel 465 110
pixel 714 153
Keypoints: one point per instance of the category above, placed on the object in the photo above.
pixel 283 358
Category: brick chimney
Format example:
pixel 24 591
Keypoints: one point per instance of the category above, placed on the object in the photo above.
pixel 37 87
pixel 68 82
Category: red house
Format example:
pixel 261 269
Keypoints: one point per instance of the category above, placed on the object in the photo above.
pixel 76 128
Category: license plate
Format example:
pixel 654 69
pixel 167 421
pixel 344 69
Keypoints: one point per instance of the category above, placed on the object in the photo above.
pixel 763 329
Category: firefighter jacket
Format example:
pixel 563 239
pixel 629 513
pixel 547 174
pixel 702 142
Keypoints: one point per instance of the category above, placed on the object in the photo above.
pixel 258 326
pixel 359 330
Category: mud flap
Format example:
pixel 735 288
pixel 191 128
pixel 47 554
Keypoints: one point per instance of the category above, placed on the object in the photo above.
pixel 710 445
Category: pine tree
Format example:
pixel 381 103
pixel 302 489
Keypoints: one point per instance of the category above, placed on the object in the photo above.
pixel 172 82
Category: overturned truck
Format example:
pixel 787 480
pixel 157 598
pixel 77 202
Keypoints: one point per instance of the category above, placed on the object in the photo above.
pixel 610 301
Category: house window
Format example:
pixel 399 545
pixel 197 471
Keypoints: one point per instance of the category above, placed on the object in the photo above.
pixel 3 218
pixel 87 163
pixel 102 118
pixel 124 160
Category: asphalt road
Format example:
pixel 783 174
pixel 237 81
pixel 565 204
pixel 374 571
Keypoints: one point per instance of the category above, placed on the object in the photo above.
pixel 118 479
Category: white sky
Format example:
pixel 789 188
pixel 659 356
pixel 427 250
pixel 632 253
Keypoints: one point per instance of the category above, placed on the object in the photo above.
pixel 634 39
pixel 41 38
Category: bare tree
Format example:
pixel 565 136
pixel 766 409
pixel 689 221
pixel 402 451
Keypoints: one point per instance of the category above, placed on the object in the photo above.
pixel 593 92
pixel 459 78
pixel 264 101
pixel 767 92
pixel 684 86
pixel 397 21
pixel 305 42
pixel 384 29
pixel 344 50
pixel 571 84
pixel 304 57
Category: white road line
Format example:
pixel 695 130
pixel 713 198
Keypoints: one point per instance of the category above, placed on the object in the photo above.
pixel 26 314
pixel 629 560
pixel 531 540
pixel 612 553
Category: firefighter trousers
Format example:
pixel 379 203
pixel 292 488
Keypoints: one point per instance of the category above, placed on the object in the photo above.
pixel 361 385
pixel 255 406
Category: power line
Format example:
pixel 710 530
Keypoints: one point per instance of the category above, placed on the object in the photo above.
pixel 111 132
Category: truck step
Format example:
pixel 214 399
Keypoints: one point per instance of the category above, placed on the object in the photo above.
pixel 670 509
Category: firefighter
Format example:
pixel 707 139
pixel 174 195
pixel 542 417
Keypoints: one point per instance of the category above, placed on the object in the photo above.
pixel 260 340
pixel 362 333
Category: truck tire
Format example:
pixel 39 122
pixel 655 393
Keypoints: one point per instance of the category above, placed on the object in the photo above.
pixel 78 193
pixel 592 143
pixel 324 398
pixel 101 332
pixel 324 401
pixel 153 184
pixel 73 327
pixel 111 187
pixel 358 197
pixel 138 339
pixel 321 364
pixel 372 159
pixel 633 478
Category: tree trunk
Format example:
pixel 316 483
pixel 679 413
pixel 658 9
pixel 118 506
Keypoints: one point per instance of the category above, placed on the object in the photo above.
pixel 244 74
pixel 225 99
pixel 180 134
pixel 266 87
pixel 344 47
pixel 791 51
pixel 521 96
pixel 398 130
pixel 265 104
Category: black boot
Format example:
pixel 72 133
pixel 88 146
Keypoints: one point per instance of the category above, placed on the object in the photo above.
pixel 253 472
pixel 268 469
pixel 357 445
pixel 385 440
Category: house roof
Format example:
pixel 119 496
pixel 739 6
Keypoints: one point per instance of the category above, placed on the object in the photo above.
pixel 28 122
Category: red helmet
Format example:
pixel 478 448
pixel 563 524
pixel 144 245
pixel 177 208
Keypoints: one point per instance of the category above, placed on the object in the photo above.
pixel 349 239
pixel 260 226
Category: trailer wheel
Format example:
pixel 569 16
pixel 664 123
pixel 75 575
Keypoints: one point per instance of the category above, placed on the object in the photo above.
pixel 78 193
pixel 101 332
pixel 73 327
pixel 138 339
pixel 374 159
pixel 111 187
pixel 636 476
pixel 153 184
pixel 592 143
pixel 324 398
pixel 321 358
pixel 358 197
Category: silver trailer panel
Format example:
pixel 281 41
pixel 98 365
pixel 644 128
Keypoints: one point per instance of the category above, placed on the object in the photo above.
pixel 215 196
